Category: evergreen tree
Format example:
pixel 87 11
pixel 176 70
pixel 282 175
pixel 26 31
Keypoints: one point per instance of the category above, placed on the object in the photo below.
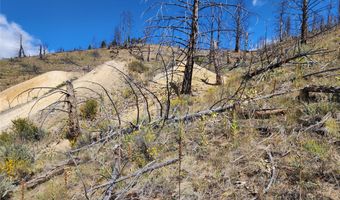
pixel 103 44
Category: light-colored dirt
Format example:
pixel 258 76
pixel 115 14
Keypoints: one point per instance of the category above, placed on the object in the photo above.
pixel 197 84
pixel 50 79
pixel 103 74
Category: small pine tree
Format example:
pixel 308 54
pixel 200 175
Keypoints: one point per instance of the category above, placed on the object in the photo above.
pixel 103 45
pixel 90 47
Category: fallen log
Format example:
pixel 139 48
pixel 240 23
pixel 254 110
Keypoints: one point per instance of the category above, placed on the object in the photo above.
pixel 56 171
pixel 263 113
pixel 280 63
pixel 322 89
pixel 148 168
pixel 274 173
pixel 321 72
pixel 317 127
pixel 189 117
pixel 304 93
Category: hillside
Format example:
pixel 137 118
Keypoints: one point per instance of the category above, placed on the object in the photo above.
pixel 15 70
pixel 270 134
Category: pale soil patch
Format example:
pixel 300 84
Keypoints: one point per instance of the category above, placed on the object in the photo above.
pixel 197 84
pixel 49 79
pixel 107 76
pixel 103 74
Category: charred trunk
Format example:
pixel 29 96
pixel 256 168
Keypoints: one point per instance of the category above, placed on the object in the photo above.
pixel 73 122
pixel 189 66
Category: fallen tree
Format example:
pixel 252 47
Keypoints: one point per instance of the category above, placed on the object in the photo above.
pixel 280 62
pixel 149 167
pixel 55 171
pixel 304 93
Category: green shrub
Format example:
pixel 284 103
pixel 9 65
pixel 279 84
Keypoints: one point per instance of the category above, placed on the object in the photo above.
pixel 5 185
pixel 332 127
pixel 15 160
pixel 136 66
pixel 26 130
pixel 6 138
pixel 89 109
pixel 316 148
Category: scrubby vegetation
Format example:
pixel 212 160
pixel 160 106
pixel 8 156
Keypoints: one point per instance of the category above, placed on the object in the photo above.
pixel 256 136
pixel 5 186
pixel 15 70
pixel 137 66
pixel 89 109
pixel 16 157
pixel 25 130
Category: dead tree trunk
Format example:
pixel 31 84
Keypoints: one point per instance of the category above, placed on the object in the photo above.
pixel 189 66
pixel 40 52
pixel 149 52
pixel 304 23
pixel 73 122
pixel 281 15
pixel 21 49
pixel 228 57
pixel 238 30
pixel 216 46
pixel 339 12
pixel 329 14
pixel 288 27
pixel 216 64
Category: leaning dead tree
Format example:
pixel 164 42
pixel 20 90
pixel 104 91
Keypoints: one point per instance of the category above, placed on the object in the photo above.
pixel 281 61
pixel 66 97
pixel 178 22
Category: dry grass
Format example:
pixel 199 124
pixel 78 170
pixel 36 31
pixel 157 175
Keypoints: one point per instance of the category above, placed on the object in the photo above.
pixel 225 156
pixel 14 71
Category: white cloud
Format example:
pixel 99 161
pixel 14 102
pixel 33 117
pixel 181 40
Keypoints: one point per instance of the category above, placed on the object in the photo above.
pixel 10 39
pixel 254 2
pixel 257 2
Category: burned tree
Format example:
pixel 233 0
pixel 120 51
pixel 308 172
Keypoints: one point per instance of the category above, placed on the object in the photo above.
pixel 304 10
pixel 117 36
pixel 288 27
pixel 339 12
pixel 329 13
pixel 126 27
pixel 282 23
pixel 215 27
pixel 239 18
pixel 73 121
pixel 189 66
pixel 40 51
pixel 304 23
pixel 181 27
pixel 21 49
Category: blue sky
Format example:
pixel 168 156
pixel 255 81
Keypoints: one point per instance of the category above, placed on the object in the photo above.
pixel 71 24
